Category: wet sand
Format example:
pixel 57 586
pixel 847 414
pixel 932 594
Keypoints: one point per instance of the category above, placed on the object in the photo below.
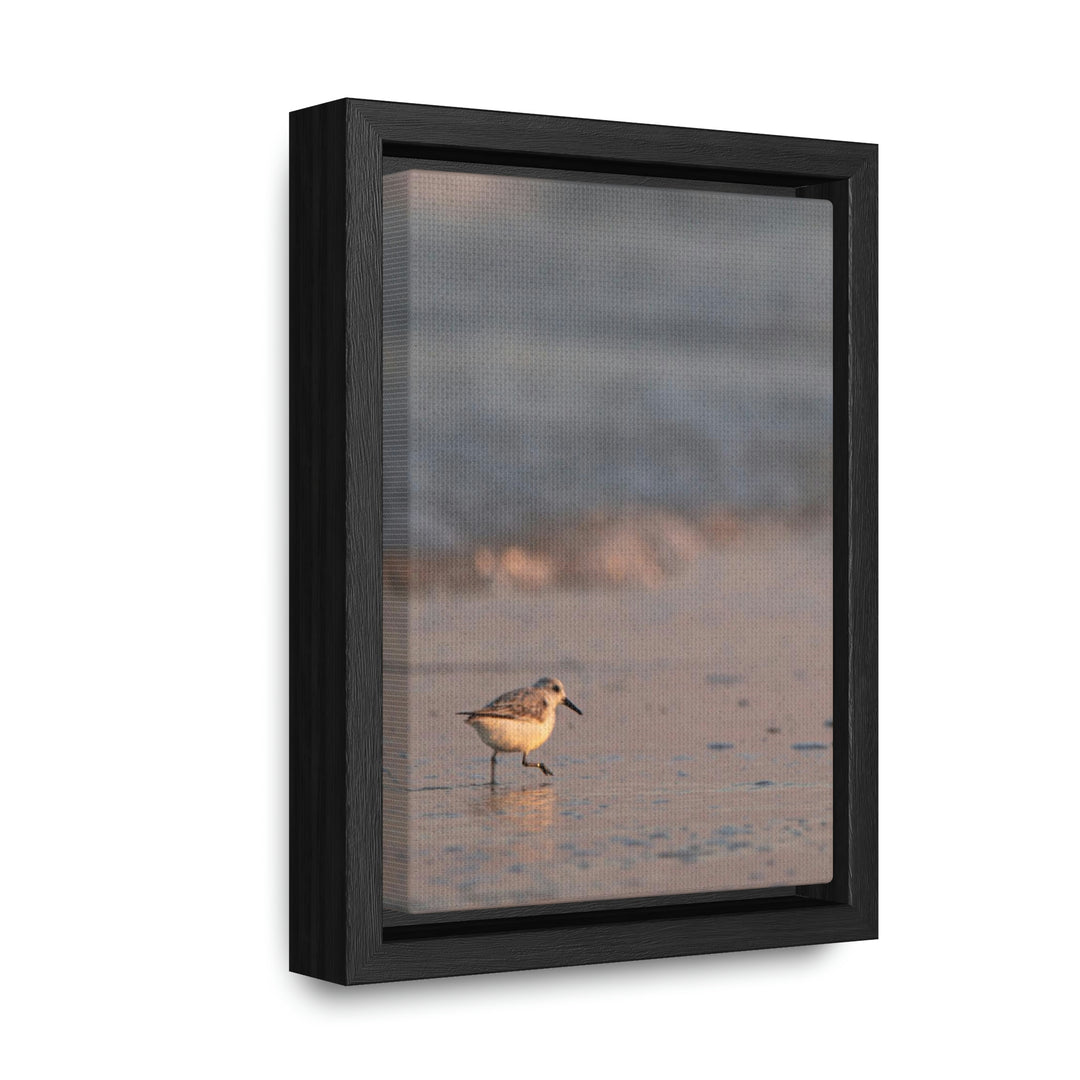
pixel 703 760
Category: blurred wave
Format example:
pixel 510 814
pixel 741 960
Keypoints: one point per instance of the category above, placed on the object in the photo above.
pixel 583 355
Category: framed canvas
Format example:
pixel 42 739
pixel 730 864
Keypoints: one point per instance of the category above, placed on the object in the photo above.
pixel 583 541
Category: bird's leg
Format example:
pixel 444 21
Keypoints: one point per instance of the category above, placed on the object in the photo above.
pixel 493 757
pixel 536 765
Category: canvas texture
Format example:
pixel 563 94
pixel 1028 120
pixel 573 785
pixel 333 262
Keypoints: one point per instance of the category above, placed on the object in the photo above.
pixel 608 445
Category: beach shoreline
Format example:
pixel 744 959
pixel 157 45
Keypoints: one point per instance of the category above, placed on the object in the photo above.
pixel 703 761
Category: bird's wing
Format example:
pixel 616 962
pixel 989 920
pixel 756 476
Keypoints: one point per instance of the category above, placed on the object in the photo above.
pixel 528 703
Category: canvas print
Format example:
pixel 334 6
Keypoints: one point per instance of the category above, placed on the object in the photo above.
pixel 608 663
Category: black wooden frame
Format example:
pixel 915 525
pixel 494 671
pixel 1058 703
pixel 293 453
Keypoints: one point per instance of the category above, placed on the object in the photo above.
pixel 337 930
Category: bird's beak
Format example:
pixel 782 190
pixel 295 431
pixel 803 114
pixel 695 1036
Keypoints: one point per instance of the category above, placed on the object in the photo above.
pixel 570 705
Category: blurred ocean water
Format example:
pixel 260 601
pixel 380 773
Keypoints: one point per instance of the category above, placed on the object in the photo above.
pixel 577 346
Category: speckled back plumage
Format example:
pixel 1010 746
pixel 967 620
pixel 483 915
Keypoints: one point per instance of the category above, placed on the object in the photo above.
pixel 527 703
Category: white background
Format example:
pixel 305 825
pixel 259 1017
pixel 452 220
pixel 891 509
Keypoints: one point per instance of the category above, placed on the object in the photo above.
pixel 144 536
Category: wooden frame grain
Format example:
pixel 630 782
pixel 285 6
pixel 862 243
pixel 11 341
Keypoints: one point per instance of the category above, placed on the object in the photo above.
pixel 337 928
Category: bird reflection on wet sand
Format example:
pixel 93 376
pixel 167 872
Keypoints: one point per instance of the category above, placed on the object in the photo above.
pixel 526 810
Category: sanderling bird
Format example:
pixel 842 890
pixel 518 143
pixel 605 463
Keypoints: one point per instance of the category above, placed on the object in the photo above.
pixel 520 721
